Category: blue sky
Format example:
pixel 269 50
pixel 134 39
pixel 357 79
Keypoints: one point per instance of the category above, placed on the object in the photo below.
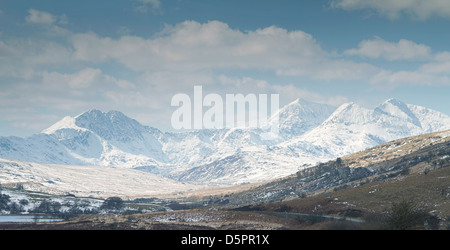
pixel 61 58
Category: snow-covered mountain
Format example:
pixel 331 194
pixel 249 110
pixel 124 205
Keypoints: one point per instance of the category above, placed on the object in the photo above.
pixel 300 116
pixel 353 128
pixel 309 133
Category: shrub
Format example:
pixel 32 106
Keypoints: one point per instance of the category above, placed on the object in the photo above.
pixel 48 207
pixel 112 203
pixel 405 216
pixel 4 199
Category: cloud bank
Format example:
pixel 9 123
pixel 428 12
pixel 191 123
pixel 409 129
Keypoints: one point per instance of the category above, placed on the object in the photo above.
pixel 392 51
pixel 137 75
pixel 417 9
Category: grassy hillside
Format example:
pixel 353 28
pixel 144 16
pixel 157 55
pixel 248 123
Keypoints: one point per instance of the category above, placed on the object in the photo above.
pixel 421 157
pixel 364 185
pixel 373 201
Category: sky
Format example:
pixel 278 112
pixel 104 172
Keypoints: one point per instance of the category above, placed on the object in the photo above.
pixel 62 58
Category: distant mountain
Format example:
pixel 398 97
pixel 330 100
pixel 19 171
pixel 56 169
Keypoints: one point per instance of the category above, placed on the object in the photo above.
pixel 352 128
pixel 309 133
pixel 108 139
pixel 300 116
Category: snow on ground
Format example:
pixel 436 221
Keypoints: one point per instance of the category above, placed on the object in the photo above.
pixel 309 133
pixel 89 181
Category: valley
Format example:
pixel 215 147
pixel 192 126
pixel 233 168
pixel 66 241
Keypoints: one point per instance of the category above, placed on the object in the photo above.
pixel 337 194
pixel 329 166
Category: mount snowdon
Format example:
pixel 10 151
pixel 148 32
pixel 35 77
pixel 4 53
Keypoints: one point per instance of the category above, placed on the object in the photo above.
pixel 309 133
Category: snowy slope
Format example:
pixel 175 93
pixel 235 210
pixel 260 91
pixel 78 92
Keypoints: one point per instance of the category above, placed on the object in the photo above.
pixel 309 133
pixel 37 148
pixel 256 164
pixel 300 116
pixel 88 181
pixel 352 128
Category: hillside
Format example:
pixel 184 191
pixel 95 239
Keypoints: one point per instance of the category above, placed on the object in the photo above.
pixel 339 194
pixel 88 181
pixel 413 168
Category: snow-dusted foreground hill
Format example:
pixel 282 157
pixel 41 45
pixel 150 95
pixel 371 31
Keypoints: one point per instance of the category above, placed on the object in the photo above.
pixel 309 133
pixel 88 181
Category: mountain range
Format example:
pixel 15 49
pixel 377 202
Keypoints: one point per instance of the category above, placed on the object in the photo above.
pixel 308 133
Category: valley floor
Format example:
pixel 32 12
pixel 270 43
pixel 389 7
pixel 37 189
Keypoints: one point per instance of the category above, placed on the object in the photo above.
pixel 360 208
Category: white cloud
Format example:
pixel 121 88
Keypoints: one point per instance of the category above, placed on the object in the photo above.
pixel 190 53
pixel 436 68
pixel 291 92
pixel 194 46
pixel 191 46
pixel 392 79
pixel 392 51
pixel 46 19
pixel 40 17
pixel 443 56
pixel 64 94
pixel 418 9
pixel 288 92
pixel 433 73
pixel 83 79
pixel 23 58
pixel 330 70
pixel 173 81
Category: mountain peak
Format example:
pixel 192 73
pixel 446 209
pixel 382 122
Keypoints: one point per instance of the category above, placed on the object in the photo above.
pixel 303 104
pixel 395 102
pixel 109 125
pixel 296 103
pixel 399 109
pixel 350 113
pixel 90 112
pixel 299 101
pixel 302 101
pixel 392 102
pixel 67 122
pixel 348 106
pixel 301 116
pixel 95 114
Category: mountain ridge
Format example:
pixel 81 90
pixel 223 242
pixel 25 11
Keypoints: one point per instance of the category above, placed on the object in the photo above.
pixel 309 133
